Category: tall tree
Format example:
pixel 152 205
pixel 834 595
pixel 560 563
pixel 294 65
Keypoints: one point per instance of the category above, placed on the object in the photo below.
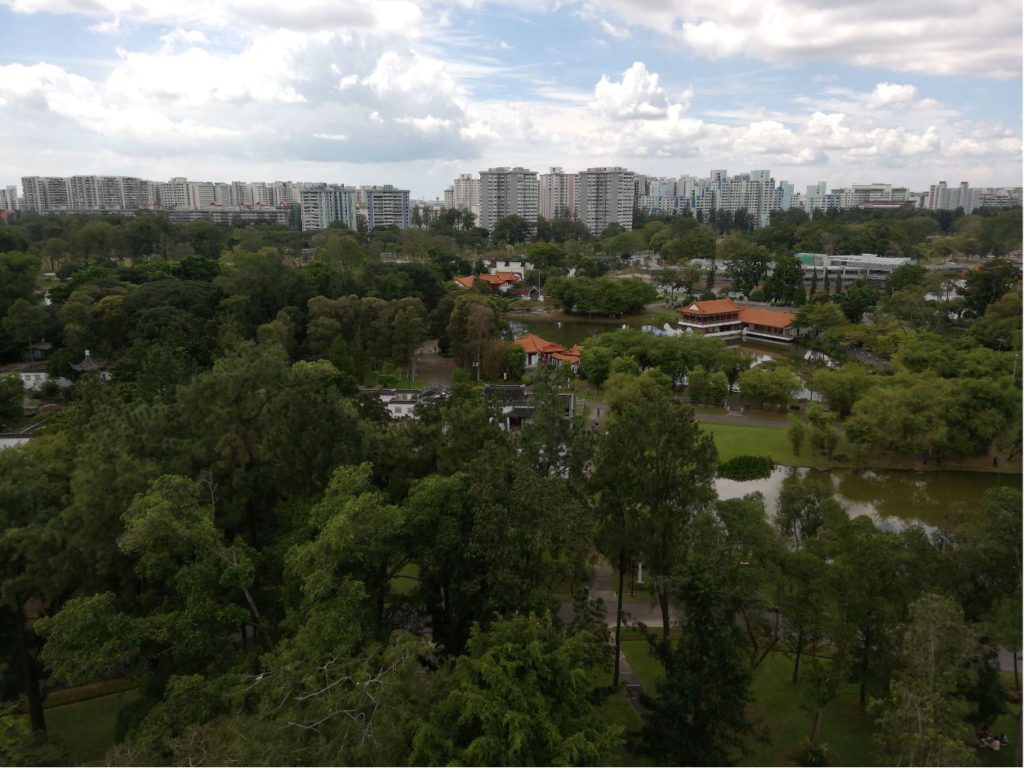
pixel 519 696
pixel 922 720
pixel 699 716
pixel 655 470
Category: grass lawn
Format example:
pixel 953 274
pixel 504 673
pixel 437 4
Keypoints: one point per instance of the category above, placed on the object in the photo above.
pixel 407 579
pixel 86 728
pixel 745 440
pixel 647 668
pixel 740 440
pixel 615 709
pixel 781 721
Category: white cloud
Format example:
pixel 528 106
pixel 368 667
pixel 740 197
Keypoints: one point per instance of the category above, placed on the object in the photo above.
pixel 394 16
pixel 619 33
pixel 977 37
pixel 888 94
pixel 636 95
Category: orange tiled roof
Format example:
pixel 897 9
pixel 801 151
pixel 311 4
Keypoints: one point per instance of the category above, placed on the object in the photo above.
pixel 499 279
pixel 714 307
pixel 773 318
pixel 532 344
pixel 566 357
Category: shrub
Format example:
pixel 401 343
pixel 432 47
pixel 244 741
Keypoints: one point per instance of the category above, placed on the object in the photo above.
pixel 747 468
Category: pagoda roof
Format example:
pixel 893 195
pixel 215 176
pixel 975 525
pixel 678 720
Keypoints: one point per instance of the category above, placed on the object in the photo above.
pixel 713 307
pixel 89 363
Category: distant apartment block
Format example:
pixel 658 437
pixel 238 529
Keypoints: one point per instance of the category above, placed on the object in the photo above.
pixel 386 206
pixel 605 196
pixel 9 198
pixel 233 216
pixel 557 198
pixel 941 197
pixel 506 192
pixel 323 204
pixel 466 194
pixel 45 194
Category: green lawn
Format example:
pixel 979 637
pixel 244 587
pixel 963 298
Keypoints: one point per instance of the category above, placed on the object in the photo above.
pixel 740 440
pixel 784 723
pixel 615 708
pixel 745 440
pixel 646 666
pixel 781 722
pixel 86 728
pixel 407 579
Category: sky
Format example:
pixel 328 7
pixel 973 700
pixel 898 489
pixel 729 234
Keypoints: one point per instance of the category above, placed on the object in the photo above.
pixel 414 92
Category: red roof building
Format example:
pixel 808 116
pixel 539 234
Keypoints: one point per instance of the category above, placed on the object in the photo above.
pixel 501 282
pixel 724 319
pixel 719 317
pixel 541 351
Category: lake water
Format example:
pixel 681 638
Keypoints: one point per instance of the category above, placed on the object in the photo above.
pixel 891 498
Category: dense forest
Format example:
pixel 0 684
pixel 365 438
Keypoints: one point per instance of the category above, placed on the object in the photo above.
pixel 281 575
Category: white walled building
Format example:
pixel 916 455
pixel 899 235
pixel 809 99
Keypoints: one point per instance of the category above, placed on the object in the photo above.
pixel 506 192
pixel 605 196
pixel 323 204
pixel 557 194
pixel 386 206
pixel 9 198
pixel 45 193
pixel 466 193
pixel 815 197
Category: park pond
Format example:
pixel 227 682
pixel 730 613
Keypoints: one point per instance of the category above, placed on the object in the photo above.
pixel 892 498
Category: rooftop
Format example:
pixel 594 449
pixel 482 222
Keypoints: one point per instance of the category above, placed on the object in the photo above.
pixel 773 318
pixel 713 307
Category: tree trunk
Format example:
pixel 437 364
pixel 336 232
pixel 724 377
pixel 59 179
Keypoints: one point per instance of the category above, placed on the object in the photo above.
pixel 663 601
pixel 816 726
pixel 799 650
pixel 618 616
pixel 864 671
pixel 1016 670
pixel 30 684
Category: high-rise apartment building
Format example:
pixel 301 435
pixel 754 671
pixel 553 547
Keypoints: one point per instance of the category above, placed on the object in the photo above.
pixel 323 204
pixel 557 195
pixel 605 196
pixel 506 192
pixel 760 196
pixel 466 193
pixel 45 193
pixel 9 198
pixel 814 199
pixel 386 207
pixel 84 193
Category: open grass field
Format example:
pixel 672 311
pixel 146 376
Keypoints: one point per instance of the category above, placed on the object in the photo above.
pixel 740 440
pixel 776 710
pixel 744 440
pixel 86 728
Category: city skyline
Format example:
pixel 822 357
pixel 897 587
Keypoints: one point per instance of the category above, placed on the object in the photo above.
pixel 417 94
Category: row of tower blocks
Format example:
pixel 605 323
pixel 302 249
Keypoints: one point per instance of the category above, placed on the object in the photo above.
pixel 317 204
pixel 597 197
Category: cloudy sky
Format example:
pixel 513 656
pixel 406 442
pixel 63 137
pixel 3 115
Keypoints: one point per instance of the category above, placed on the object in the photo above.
pixel 412 92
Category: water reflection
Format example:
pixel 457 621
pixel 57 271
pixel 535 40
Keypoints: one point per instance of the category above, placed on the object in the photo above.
pixel 892 499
